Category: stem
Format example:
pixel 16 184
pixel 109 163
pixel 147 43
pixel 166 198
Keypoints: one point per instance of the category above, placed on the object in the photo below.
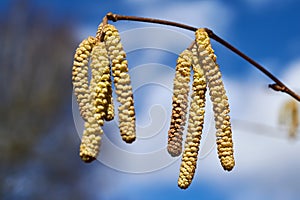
pixel 116 17
pixel 277 86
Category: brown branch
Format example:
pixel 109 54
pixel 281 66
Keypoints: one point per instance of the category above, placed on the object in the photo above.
pixel 277 86
pixel 116 17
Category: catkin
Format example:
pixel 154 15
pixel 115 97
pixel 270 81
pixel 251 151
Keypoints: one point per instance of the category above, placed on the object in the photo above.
pixel 123 87
pixel 219 99
pixel 195 126
pixel 289 115
pixel 100 83
pixel 110 111
pixel 180 102
pixel 80 74
pixel 91 138
pixel 294 120
pixel 90 141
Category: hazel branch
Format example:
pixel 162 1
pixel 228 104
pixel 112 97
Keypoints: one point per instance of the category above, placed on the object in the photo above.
pixel 116 17
pixel 277 86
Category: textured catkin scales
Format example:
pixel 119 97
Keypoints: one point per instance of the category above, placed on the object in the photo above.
pixel 180 102
pixel 99 32
pixel 80 74
pixel 122 83
pixel 100 86
pixel 195 126
pixel 90 141
pixel 219 99
pixel 110 111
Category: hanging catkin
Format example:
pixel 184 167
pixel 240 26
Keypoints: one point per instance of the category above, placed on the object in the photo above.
pixel 195 125
pixel 97 103
pixel 110 111
pixel 219 99
pixel 80 74
pixel 100 83
pixel 180 102
pixel 122 83
pixel 289 115
pixel 90 141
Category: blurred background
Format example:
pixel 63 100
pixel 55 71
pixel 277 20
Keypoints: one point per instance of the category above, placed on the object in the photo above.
pixel 39 141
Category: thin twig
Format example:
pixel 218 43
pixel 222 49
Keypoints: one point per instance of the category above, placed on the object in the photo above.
pixel 277 86
pixel 116 17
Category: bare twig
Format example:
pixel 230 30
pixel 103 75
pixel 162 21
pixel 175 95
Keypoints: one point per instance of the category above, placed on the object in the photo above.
pixel 116 17
pixel 277 86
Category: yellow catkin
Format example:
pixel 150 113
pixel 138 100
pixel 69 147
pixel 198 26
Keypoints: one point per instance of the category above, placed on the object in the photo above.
pixel 110 111
pixel 180 102
pixel 122 83
pixel 289 115
pixel 219 99
pixel 195 126
pixel 91 138
pixel 295 119
pixel 80 74
pixel 100 83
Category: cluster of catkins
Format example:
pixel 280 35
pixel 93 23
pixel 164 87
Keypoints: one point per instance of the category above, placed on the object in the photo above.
pixel 105 56
pixel 201 59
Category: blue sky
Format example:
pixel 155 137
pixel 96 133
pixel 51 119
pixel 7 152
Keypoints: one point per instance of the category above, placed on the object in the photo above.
pixel 250 24
pixel 269 32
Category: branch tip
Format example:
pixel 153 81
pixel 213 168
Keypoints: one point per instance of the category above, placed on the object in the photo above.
pixel 111 16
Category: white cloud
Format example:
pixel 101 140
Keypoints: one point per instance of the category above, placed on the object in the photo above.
pixel 215 15
pixel 291 75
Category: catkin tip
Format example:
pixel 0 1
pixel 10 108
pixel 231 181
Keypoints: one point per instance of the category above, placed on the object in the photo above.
pixel 174 152
pixel 87 158
pixel 129 139
pixel 228 163
pixel 183 185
